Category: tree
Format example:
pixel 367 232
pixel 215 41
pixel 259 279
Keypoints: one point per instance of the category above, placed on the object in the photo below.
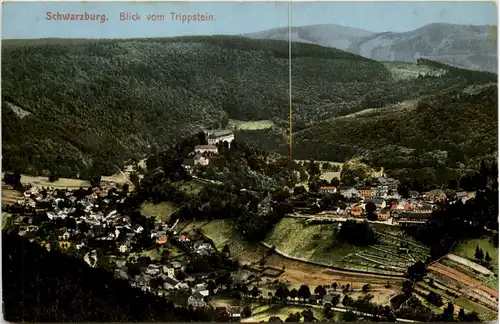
pixel 293 317
pixel 435 299
pixel 350 317
pixel 479 255
pixel 226 249
pixel 255 292
pixel 211 286
pixel 448 313
pixel 487 258
pixel 95 181
pixel 304 292
pixel 247 311
pixel 313 169
pixel 327 311
pixel 293 293
pixel 335 285
pixel 134 178
pixel 470 317
pixel 335 182
pixel 407 287
pixel 404 191
pixel 54 176
pixel 320 291
pixel 274 319
pixel 370 210
pixel 366 288
pixel 417 271
pixel 308 315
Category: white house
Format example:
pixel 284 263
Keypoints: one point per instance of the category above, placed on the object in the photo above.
pixel 215 137
pixel 350 193
pixel 124 248
pixel 206 148
pixel 199 159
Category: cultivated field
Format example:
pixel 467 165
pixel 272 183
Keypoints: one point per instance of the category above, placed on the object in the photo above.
pixel 316 243
pixel 235 124
pixel 464 286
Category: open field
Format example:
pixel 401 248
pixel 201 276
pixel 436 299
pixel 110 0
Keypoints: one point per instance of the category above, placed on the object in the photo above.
pixel 405 71
pixel 468 248
pixel 235 124
pixel 10 196
pixel 316 243
pixel 160 211
pixel 68 183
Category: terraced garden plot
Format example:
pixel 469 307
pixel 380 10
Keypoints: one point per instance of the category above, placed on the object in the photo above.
pixel 316 243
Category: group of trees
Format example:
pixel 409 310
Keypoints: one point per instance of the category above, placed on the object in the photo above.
pixel 356 233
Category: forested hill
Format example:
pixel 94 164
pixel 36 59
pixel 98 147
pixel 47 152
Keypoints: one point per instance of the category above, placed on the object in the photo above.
pixel 442 130
pixel 85 106
pixel 77 99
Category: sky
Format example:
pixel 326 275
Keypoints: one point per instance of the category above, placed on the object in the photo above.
pixel 31 19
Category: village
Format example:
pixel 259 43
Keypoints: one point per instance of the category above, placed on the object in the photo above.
pixel 379 202
pixel 97 225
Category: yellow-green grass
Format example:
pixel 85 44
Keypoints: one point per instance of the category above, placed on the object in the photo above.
pixel 223 302
pixel 60 183
pixel 485 314
pixel 222 232
pixel 160 211
pixel 316 243
pixel 250 125
pixel 311 242
pixel 328 176
pixel 467 250
pixel 405 71
pixel 6 219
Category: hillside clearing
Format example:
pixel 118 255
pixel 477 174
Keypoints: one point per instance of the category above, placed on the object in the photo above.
pixel 235 124
pixel 406 71
pixel 160 211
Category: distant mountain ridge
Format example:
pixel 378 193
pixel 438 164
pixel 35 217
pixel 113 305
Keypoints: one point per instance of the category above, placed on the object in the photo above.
pixel 466 46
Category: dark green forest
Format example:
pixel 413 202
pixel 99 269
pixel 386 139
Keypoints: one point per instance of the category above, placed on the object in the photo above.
pixel 94 104
pixel 450 133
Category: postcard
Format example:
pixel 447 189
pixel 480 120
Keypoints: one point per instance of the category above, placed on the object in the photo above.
pixel 249 161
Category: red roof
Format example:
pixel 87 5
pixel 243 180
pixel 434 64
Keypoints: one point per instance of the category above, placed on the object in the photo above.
pixel 356 208
pixel 327 188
